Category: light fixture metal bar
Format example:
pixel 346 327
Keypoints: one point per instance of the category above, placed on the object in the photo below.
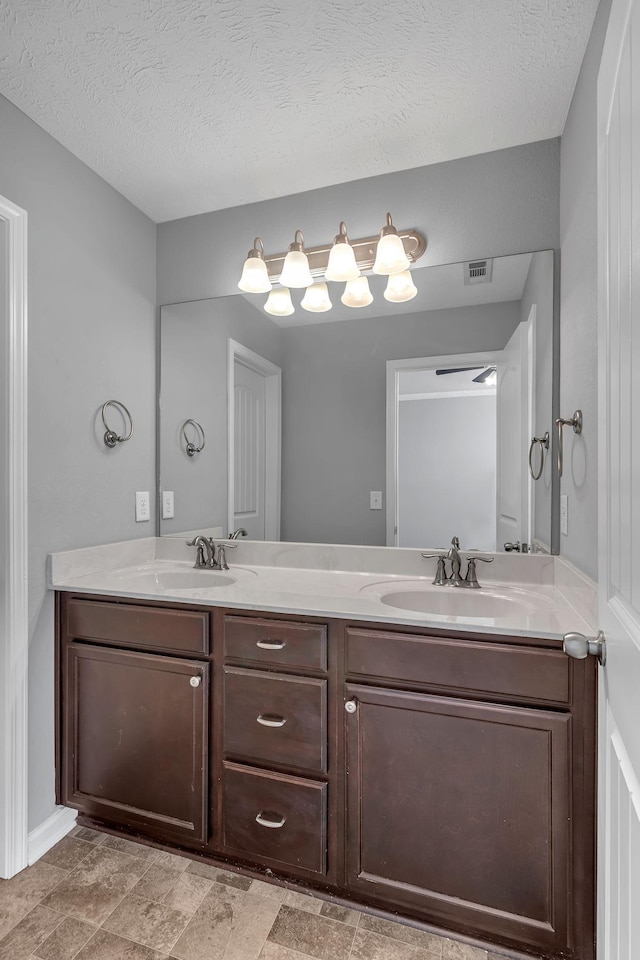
pixel 413 241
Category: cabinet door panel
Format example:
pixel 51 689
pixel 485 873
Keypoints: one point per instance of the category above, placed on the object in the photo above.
pixel 136 739
pixel 461 809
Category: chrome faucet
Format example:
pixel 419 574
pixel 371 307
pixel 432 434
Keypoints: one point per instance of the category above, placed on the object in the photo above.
pixel 203 546
pixel 240 532
pixel 455 580
pixel 453 555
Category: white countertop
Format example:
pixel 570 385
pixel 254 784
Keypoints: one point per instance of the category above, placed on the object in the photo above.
pixel 521 596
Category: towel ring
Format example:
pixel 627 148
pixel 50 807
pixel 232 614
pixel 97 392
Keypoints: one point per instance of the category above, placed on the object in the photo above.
pixel 111 437
pixel 543 443
pixel 196 445
pixel 576 422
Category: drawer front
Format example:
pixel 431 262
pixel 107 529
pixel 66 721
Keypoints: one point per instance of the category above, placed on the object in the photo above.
pixel 268 816
pixel 129 625
pixel 275 718
pixel 277 642
pixel 502 669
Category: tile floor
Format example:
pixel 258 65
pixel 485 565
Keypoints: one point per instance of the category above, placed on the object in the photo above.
pixel 98 897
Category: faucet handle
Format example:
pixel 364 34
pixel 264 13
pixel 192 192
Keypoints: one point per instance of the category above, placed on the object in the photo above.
pixel 471 579
pixel 441 577
pixel 484 559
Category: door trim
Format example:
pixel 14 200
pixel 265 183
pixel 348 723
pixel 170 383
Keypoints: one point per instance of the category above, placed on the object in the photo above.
pixel 394 369
pixel 14 648
pixel 273 392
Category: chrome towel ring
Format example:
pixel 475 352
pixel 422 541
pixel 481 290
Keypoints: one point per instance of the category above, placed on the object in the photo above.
pixel 543 443
pixel 111 437
pixel 576 422
pixel 196 444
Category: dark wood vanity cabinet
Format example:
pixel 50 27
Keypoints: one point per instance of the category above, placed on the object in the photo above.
pixel 446 778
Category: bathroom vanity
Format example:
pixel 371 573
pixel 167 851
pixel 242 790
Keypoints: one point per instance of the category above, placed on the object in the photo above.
pixel 431 767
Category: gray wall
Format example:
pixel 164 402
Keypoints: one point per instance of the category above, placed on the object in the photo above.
pixel 91 338
pixel 482 206
pixel 334 411
pixel 538 290
pixel 438 494
pixel 578 313
pixel 194 338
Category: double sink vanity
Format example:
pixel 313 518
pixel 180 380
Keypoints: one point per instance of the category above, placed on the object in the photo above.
pixel 327 717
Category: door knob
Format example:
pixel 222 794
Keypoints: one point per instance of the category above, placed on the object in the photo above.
pixel 579 647
pixel 195 681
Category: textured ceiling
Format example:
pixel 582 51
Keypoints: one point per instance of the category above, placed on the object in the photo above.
pixel 187 106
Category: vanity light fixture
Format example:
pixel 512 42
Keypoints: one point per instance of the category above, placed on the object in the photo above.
pixel 342 264
pixel 316 298
pixel 279 302
pixel 390 254
pixel 400 287
pixel 357 293
pixel 295 272
pixel 255 276
pixel 344 260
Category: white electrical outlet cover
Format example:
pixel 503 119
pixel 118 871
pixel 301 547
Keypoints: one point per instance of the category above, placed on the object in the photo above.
pixel 564 515
pixel 167 504
pixel 143 510
pixel 375 499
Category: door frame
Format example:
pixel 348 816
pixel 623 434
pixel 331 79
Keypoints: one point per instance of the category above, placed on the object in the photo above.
pixel 14 632
pixel 273 445
pixel 394 369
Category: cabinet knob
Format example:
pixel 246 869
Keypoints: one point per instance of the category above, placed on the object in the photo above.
pixel 195 681
pixel 351 706
pixel 265 821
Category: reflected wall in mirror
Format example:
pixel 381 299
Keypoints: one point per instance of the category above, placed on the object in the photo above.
pixel 364 412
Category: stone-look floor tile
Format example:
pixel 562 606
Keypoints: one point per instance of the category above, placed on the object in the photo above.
pixel 209 872
pixel 153 924
pixel 373 946
pixel 161 857
pixel 401 931
pixel 95 888
pixel 455 950
pixel 22 940
pixel 156 883
pixel 188 893
pixel 172 861
pixel 275 951
pixel 303 901
pixel 68 853
pixel 229 925
pixel 335 912
pixel 66 940
pixel 313 935
pixel 23 892
pixel 107 946
pixel 86 833
pixel 270 890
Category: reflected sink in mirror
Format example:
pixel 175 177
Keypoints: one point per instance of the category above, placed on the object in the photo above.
pixel 486 603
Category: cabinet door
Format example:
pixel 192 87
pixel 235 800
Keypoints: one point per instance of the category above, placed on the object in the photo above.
pixel 136 739
pixel 461 811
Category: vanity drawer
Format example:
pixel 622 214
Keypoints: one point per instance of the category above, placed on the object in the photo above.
pixel 474 666
pixel 129 625
pixel 275 718
pixel 280 642
pixel 293 815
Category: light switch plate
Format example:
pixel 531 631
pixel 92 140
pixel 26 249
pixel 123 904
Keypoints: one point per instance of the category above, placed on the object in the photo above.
pixel 167 504
pixel 375 500
pixel 143 510
pixel 564 515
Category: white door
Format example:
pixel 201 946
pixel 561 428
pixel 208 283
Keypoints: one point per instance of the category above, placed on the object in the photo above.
pixel 619 484
pixel 513 424
pixel 249 444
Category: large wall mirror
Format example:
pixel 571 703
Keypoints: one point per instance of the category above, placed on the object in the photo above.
pixel 398 424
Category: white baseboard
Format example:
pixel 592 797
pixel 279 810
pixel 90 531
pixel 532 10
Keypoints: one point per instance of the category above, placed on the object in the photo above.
pixel 57 826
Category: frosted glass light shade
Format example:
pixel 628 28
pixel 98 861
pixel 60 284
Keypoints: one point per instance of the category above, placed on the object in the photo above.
pixel 390 255
pixel 400 287
pixel 342 263
pixel 357 293
pixel 279 303
pixel 316 298
pixel 295 271
pixel 255 276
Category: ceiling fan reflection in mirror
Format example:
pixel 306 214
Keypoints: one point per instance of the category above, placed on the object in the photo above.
pixel 486 375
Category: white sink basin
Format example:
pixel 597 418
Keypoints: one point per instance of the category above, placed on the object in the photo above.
pixel 168 580
pixel 484 604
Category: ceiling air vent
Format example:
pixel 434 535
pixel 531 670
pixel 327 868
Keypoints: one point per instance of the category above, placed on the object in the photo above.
pixel 477 271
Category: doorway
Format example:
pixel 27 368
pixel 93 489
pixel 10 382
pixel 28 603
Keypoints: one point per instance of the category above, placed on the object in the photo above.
pixel 254 443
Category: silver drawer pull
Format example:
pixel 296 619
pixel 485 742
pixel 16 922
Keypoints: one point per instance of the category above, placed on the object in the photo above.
pixel 272 824
pixel 271 720
pixel 271 644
